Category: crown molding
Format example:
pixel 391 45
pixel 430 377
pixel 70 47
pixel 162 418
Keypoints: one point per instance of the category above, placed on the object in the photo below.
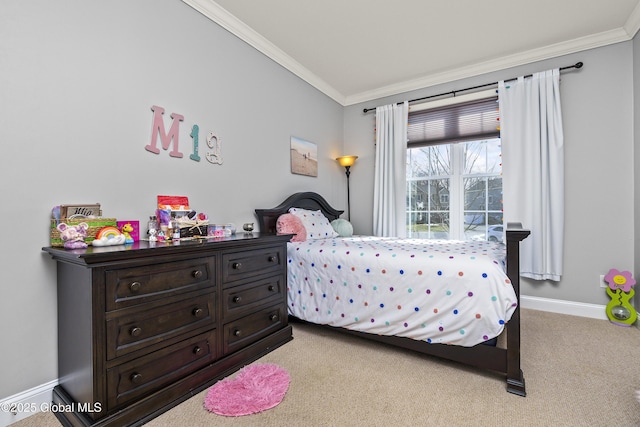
pixel 523 58
pixel 633 23
pixel 220 16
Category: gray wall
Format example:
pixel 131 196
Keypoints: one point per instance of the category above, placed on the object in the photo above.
pixel 77 84
pixel 597 103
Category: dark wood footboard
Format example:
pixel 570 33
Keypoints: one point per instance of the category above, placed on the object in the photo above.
pixel 515 378
pixel 502 360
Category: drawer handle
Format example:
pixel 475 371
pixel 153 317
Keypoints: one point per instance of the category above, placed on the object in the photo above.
pixel 273 317
pixel 237 299
pixel 237 333
pixel 197 350
pixel 197 312
pixel 135 331
pixel 135 287
pixel 236 265
pixel 271 288
pixel 273 258
pixel 136 378
pixel 197 274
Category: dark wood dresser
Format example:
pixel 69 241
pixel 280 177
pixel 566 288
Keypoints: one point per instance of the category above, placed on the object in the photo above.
pixel 145 326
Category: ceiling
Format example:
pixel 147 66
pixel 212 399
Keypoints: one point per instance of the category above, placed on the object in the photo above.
pixel 358 50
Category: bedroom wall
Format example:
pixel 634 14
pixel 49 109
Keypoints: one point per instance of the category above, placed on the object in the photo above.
pixel 597 103
pixel 77 85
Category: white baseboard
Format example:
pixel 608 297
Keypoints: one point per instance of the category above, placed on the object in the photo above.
pixel 22 405
pixel 581 309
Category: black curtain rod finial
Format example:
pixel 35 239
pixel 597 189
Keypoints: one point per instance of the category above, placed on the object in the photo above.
pixel 577 65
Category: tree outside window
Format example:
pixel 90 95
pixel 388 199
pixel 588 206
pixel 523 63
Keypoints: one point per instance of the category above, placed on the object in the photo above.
pixel 454 191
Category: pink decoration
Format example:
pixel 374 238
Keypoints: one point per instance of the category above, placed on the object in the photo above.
pixel 291 224
pixel 619 280
pixel 165 138
pixel 255 388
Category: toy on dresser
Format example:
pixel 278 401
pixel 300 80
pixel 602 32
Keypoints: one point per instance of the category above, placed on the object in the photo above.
pixel 126 230
pixel 73 235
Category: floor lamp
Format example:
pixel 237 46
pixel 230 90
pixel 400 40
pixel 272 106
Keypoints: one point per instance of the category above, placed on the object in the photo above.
pixel 347 162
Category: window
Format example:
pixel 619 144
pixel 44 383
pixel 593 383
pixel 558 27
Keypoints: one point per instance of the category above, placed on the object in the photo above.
pixel 454 182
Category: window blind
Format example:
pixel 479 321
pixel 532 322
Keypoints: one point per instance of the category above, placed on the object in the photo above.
pixel 467 121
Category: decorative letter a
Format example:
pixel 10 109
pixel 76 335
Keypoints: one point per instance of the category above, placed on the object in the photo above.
pixel 158 128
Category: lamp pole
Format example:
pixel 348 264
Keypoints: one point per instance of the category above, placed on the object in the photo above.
pixel 348 172
pixel 347 162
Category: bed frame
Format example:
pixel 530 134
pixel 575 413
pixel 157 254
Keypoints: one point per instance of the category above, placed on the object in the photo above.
pixel 502 360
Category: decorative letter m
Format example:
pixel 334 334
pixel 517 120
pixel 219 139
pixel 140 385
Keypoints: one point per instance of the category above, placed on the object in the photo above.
pixel 158 128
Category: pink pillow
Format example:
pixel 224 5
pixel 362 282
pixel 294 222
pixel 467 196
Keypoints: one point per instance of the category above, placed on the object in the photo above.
pixel 315 223
pixel 291 224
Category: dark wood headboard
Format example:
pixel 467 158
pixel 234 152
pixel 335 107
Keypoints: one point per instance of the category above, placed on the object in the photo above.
pixel 307 200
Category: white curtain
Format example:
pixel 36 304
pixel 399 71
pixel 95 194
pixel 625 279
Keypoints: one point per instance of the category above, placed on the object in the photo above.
pixel 390 170
pixel 533 169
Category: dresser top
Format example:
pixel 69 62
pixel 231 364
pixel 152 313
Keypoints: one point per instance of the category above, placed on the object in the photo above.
pixel 144 249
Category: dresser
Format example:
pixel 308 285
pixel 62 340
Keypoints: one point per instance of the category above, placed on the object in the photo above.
pixel 145 326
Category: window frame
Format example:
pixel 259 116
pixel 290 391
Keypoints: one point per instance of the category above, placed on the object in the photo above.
pixel 484 102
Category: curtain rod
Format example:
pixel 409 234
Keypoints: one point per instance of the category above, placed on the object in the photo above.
pixel 577 65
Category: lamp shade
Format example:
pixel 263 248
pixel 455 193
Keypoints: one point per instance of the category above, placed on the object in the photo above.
pixel 347 160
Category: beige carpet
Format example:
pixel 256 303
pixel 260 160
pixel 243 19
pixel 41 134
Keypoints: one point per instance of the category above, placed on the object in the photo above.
pixel 578 372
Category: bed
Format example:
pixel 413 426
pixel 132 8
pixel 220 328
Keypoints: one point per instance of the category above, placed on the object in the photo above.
pixel 443 298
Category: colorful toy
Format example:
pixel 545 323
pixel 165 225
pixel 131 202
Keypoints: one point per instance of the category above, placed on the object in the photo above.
pixel 108 236
pixel 73 235
pixel 126 229
pixel 620 290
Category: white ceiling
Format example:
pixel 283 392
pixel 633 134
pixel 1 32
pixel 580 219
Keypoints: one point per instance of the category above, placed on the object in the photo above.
pixel 358 50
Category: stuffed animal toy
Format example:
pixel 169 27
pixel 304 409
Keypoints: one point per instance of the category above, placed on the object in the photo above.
pixel 73 235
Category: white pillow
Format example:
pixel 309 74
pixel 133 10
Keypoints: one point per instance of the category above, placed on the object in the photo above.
pixel 316 224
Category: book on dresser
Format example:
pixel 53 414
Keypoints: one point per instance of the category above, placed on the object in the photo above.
pixel 145 326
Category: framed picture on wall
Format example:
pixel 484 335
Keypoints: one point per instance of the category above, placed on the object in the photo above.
pixel 304 157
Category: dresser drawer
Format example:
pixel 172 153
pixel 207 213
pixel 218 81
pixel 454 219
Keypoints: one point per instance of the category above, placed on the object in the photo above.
pixel 138 329
pixel 147 374
pixel 244 331
pixel 243 299
pixel 130 286
pixel 240 265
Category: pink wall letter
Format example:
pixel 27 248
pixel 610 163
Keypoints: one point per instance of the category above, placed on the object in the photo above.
pixel 158 128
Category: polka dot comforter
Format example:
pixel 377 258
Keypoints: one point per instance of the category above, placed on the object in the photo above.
pixel 439 291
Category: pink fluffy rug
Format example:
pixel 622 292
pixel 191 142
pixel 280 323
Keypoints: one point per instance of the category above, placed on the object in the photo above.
pixel 254 389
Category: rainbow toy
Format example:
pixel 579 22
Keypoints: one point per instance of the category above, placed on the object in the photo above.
pixel 109 236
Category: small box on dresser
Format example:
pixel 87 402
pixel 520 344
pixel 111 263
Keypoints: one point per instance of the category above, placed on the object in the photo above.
pixel 145 326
